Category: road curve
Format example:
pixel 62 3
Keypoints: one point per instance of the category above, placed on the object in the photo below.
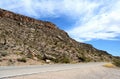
pixel 11 71
pixel 17 71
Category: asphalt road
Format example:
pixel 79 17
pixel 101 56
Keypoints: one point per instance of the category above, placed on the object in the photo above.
pixel 18 71
pixel 13 71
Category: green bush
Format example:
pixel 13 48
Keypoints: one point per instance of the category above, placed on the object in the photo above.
pixel 22 60
pixel 116 62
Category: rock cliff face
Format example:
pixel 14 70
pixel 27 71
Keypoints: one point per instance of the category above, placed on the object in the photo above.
pixel 23 38
pixel 24 19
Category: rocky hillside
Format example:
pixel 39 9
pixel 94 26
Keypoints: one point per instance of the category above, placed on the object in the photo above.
pixel 24 39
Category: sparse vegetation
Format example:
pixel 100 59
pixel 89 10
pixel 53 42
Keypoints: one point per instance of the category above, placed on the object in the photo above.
pixel 84 59
pixel 29 56
pixel 40 40
pixel 19 53
pixel 10 62
pixel 23 59
pixel 109 65
pixel 87 59
pixel 39 57
pixel 63 59
pixel 3 54
pixel 116 62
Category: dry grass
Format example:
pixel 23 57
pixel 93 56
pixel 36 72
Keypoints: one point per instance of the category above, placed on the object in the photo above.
pixel 109 65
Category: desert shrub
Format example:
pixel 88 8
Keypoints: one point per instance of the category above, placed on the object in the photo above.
pixel 62 60
pixel 3 53
pixel 39 57
pixel 30 56
pixel 19 53
pixel 22 59
pixel 55 60
pixel 88 59
pixel 116 62
pixel 10 62
pixel 65 60
pixel 84 59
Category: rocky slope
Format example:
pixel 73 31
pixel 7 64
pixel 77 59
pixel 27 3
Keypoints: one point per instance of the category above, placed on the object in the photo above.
pixel 23 38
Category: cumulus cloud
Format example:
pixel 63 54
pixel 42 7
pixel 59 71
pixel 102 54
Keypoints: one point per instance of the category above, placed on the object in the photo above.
pixel 95 19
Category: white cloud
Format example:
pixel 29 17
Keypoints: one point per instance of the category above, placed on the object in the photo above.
pixel 104 25
pixel 94 19
pixel 43 8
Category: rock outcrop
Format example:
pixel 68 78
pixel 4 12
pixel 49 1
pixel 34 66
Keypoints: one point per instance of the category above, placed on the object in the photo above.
pixel 29 39
pixel 25 19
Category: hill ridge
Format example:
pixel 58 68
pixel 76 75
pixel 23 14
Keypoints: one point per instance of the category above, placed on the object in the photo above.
pixel 23 40
pixel 18 17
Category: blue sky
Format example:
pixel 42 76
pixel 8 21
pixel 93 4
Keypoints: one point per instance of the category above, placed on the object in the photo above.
pixel 96 22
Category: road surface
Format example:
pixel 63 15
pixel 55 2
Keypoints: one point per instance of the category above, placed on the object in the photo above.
pixel 60 71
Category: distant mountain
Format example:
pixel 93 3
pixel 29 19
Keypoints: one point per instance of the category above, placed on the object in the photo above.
pixel 26 40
